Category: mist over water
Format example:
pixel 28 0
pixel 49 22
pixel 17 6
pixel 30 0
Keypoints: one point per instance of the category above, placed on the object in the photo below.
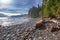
pixel 6 21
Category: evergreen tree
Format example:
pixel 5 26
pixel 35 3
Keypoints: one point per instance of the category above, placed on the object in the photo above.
pixel 51 8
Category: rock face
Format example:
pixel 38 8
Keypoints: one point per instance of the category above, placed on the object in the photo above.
pixel 34 11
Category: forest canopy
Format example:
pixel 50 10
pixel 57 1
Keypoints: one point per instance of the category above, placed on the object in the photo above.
pixel 51 8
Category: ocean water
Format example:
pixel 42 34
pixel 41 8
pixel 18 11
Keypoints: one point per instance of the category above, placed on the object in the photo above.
pixel 6 21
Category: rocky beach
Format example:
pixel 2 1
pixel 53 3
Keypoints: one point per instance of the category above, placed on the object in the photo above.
pixel 17 31
pixel 27 31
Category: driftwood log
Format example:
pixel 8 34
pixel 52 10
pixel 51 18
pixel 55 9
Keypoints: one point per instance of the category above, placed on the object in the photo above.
pixel 39 24
pixel 26 36
pixel 53 28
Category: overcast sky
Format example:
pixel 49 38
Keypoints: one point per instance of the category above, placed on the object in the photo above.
pixel 18 6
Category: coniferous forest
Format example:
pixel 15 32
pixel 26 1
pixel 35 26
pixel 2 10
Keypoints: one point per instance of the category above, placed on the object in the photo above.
pixel 51 8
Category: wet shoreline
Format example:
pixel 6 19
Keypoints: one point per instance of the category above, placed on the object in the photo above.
pixel 7 21
pixel 17 32
pixel 12 32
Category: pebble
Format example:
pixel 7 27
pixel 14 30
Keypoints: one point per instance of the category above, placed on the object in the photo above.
pixel 40 37
pixel 18 32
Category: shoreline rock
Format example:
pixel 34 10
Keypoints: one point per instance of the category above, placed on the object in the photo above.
pixel 29 31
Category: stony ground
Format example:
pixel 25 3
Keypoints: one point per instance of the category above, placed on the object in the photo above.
pixel 17 32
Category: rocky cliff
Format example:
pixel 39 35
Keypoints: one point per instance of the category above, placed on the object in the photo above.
pixel 34 11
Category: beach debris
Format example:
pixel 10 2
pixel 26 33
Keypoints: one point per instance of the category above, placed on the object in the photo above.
pixel 53 26
pixel 26 36
pixel 50 27
pixel 55 29
pixel 39 24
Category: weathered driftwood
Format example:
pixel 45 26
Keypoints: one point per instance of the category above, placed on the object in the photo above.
pixel 39 24
pixel 53 28
pixel 49 29
pixel 27 34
